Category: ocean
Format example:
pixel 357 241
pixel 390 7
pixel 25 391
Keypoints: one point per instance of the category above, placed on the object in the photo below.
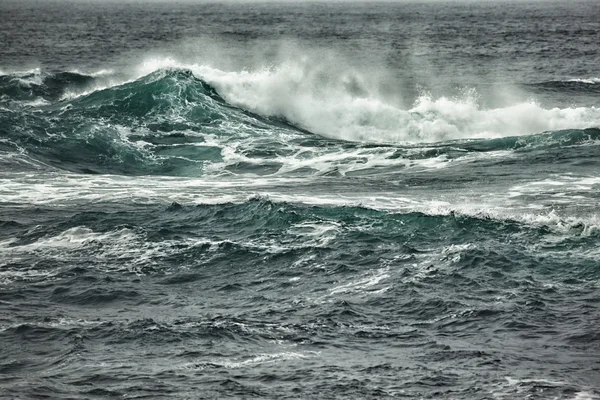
pixel 299 200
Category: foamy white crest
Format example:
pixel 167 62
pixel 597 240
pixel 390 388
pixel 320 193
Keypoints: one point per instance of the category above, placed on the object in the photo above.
pixel 21 72
pixel 364 284
pixel 107 81
pixel 28 78
pixel 76 237
pixel 68 189
pixel 130 248
pixel 317 234
pixel 36 103
pixel 586 395
pixel 263 358
pixel 590 81
pixel 100 72
pixel 558 223
pixel 341 104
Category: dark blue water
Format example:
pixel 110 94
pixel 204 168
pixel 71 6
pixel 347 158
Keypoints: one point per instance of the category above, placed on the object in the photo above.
pixel 299 200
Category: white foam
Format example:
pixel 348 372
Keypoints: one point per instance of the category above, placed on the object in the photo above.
pixel 250 362
pixel 315 234
pixel 364 284
pixel 521 387
pixel 58 323
pixel 343 103
pixel 8 276
pixel 94 74
pixel 81 242
pixel 585 395
pixel 263 359
pixel 287 92
pixel 319 161
pixel 77 237
pixel 107 82
pixel 36 103
pixel 22 72
pixel 547 382
pixel 590 81
pixel 37 78
pixel 580 190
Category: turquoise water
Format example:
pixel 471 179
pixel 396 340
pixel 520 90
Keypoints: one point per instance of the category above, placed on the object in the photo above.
pixel 248 205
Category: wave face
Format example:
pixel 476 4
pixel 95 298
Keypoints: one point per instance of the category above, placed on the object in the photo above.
pixel 281 200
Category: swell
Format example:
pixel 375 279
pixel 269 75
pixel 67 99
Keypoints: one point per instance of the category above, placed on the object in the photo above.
pixel 235 224
pixel 158 240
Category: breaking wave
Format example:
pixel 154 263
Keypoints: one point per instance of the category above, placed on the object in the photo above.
pixel 186 119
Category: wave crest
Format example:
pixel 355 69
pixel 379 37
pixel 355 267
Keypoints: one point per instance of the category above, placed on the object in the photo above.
pixel 345 105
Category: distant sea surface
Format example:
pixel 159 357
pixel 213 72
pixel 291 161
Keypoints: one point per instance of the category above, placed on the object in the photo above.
pixel 290 200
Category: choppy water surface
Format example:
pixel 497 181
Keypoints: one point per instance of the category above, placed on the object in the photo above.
pixel 326 200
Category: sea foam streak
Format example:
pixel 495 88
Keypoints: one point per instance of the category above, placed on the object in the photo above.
pixel 590 81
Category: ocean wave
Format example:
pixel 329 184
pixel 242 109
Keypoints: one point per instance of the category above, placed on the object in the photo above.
pixel 193 199
pixel 333 103
pixel 285 120
pixel 160 123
